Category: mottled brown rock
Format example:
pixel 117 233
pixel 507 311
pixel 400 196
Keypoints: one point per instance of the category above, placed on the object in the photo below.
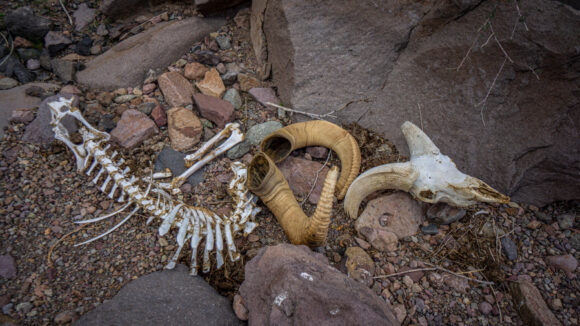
pixel 530 305
pixel 291 285
pixel 359 265
pixel 133 128
pixel 382 70
pixel 176 89
pixel 247 82
pixel 195 70
pixel 214 109
pixel 239 308
pixel 301 174
pixel 389 218
pixel 184 128
pixel 212 84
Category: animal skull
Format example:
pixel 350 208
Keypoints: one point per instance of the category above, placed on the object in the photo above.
pixel 429 176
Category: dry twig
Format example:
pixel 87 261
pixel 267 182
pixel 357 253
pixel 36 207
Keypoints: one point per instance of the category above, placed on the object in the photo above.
pixel 66 12
pixel 49 261
pixel 311 115
pixel 316 179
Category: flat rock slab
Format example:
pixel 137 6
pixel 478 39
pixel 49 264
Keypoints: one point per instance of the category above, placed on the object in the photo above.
pixel 126 64
pixel 291 285
pixel 381 63
pixel 16 98
pixel 530 305
pixel 169 297
pixel 301 176
pixel 40 131
pixel 175 161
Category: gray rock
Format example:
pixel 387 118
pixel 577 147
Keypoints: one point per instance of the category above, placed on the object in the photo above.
pixel 12 67
pixel 169 297
pixel 258 132
pixel 224 42
pixel 7 266
pixel 118 8
pixel 445 214
pixel 510 249
pixel 23 22
pixel 527 140
pixel 173 160
pixel 566 221
pixel 575 241
pixel 229 78
pixel 83 16
pixel 39 131
pixel 28 53
pixel 233 97
pixel 63 69
pixel 55 42
pixel 239 150
pixel 7 83
pixel 33 64
pixel 102 30
pixel 291 285
pixel 147 107
pixel 16 98
pixel 430 229
pixel 127 63
pixel 24 307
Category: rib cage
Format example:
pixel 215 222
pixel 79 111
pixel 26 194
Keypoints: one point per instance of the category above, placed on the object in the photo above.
pixel 193 223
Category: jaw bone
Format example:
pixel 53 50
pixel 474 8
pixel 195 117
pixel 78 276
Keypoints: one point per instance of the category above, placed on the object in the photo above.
pixel 429 176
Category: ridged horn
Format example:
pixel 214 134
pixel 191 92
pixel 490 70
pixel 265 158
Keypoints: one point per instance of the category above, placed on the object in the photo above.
pixel 429 176
pixel 268 182
pixel 279 144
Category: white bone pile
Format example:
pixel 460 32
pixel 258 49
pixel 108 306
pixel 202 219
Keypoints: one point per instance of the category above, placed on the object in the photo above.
pixel 194 224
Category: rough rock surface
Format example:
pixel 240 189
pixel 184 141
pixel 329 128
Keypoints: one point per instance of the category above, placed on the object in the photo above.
pixel 291 285
pixel 169 297
pixel 176 89
pixel 522 141
pixel 531 307
pixel 23 22
pixel 83 16
pixel 7 266
pixel 212 84
pixel 127 63
pixel 133 128
pixel 212 6
pixel 117 8
pixel 184 128
pixel 16 98
pixel 39 131
pixel 359 265
pixel 389 218
pixel 195 70
pixel 217 110
pixel 264 95
pixel 301 174
pixel 175 161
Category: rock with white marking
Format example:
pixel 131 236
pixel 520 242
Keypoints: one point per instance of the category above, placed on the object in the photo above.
pixel 291 285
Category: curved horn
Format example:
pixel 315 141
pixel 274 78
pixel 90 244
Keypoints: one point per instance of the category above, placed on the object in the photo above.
pixel 399 176
pixel 429 176
pixel 279 144
pixel 266 181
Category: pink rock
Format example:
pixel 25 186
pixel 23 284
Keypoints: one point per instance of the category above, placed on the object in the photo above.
pixel 388 218
pixel 185 129
pixel 214 109
pixel 195 70
pixel 7 266
pixel 133 128
pixel 567 263
pixel 212 84
pixel 159 116
pixel 301 174
pixel 239 308
pixel 264 95
pixel 317 151
pixel 23 115
pixel 149 88
pixel 70 89
pixel 176 89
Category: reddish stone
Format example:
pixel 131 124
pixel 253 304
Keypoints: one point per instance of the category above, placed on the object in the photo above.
pixel 133 128
pixel 70 89
pixel 214 109
pixel 264 95
pixel 149 88
pixel 212 84
pixel 159 116
pixel 530 305
pixel 195 70
pixel 24 115
pixel 301 174
pixel 176 89
pixel 185 129
pixel 317 151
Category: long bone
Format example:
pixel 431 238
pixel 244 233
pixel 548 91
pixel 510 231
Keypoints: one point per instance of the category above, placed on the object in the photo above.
pixel 429 176
pixel 194 223
pixel 234 136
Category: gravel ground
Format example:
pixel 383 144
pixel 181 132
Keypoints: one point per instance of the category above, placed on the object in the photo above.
pixel 42 195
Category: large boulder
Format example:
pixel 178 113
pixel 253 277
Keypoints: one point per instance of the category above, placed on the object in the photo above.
pixel 380 63
pixel 17 98
pixel 127 63
pixel 169 297
pixel 291 285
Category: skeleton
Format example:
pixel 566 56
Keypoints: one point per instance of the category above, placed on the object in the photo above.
pixel 193 223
